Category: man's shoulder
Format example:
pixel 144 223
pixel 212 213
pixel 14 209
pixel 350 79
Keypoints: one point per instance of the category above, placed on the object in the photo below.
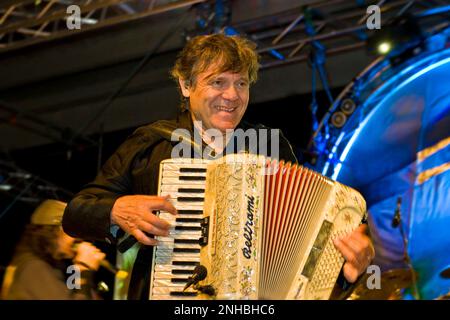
pixel 244 125
pixel 159 128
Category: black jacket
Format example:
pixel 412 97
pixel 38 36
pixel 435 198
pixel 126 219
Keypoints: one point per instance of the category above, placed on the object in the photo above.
pixel 133 169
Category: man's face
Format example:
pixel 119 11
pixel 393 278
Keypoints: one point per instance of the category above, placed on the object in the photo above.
pixel 218 100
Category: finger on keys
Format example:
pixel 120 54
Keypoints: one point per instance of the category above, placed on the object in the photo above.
pixel 170 207
pixel 158 222
pixel 153 230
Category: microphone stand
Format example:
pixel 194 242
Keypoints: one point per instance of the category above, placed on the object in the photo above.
pixel 397 222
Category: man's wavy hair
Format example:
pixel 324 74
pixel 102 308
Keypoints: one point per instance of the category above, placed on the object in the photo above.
pixel 232 53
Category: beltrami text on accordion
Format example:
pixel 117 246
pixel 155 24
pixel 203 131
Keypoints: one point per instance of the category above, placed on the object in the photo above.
pixel 263 229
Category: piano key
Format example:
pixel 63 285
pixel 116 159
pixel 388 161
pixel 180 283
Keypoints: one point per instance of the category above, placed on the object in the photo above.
pixel 178 260
pixel 171 267
pixel 186 250
pixel 183 215
pixel 187 205
pixel 192 169
pixel 169 283
pixel 190 228
pixel 186 212
pixel 183 188
pixel 177 166
pixel 186 224
pixel 181 294
pixel 170 297
pixel 180 238
pixel 175 195
pixel 160 253
pixel 185 199
pixel 169 275
pixel 187 190
pixel 178 181
pixel 183 280
pixel 191 178
pixel 176 232
pixel 168 245
pixel 191 220
pixel 185 263
pixel 171 173
pixel 175 288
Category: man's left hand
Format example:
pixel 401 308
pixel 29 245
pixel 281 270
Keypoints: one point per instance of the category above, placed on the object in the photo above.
pixel 358 251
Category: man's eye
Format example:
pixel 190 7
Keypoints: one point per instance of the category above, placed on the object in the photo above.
pixel 217 83
pixel 243 84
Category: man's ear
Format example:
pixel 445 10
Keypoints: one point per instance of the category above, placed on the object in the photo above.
pixel 185 88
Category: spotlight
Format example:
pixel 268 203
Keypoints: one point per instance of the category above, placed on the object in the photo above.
pixel 384 48
pixel 395 37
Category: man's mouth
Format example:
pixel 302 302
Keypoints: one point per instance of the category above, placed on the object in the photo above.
pixel 226 109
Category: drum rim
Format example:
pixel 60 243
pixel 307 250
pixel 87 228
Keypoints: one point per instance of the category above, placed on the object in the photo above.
pixel 333 151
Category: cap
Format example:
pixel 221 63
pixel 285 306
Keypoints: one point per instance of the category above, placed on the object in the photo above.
pixel 49 212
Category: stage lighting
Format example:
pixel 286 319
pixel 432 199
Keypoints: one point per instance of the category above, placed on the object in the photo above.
pixel 384 48
pixel 395 37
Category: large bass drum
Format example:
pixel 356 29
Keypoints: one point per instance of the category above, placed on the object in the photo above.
pixel 388 136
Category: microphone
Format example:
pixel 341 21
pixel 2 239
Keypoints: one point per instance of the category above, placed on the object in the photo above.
pixel 199 274
pixel 121 274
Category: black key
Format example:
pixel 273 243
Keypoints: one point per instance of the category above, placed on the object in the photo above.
pixel 193 220
pixel 180 271
pixel 192 178
pixel 183 294
pixel 190 190
pixel 179 280
pixel 190 199
pixel 185 263
pixel 188 228
pixel 192 169
pixel 192 250
pixel 190 241
pixel 190 211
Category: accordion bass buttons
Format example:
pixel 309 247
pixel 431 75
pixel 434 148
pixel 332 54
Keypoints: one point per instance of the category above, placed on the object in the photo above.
pixel 203 241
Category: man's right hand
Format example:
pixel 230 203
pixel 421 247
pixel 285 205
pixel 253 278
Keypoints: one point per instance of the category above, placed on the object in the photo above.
pixel 135 215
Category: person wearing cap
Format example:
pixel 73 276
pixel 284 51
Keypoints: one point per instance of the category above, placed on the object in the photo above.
pixel 47 260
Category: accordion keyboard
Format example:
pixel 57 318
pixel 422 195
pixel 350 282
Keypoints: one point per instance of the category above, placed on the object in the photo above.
pixel 177 255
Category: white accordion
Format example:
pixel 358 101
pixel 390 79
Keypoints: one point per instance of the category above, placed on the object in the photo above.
pixel 263 229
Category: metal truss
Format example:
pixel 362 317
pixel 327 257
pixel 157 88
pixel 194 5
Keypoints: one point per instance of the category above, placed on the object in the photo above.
pixel 339 25
pixel 19 185
pixel 26 22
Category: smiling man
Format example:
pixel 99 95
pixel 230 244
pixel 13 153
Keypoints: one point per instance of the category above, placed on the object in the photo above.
pixel 214 74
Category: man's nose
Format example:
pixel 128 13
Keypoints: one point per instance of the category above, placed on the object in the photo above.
pixel 230 93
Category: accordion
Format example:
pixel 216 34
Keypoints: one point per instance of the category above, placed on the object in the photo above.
pixel 263 229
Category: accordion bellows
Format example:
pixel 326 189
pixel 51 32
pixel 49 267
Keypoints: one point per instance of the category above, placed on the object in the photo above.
pixel 267 229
